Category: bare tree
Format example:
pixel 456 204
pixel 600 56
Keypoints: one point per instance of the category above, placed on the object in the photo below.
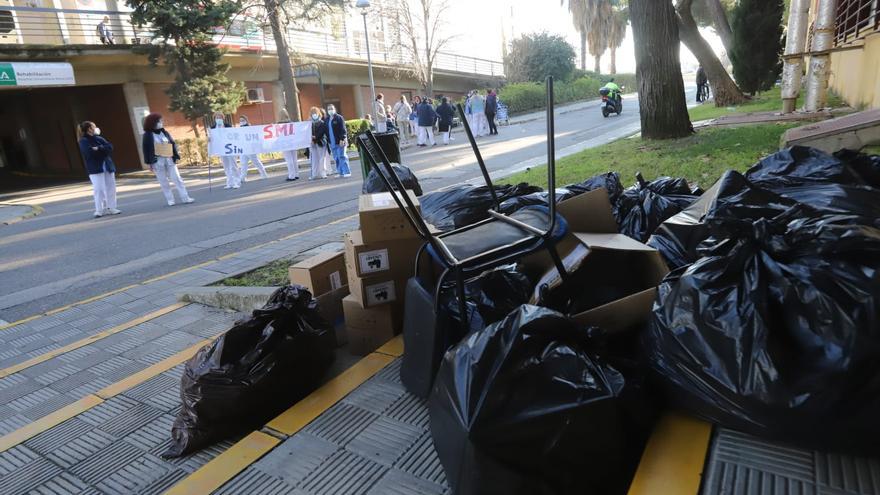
pixel 421 38
pixel 721 23
pixel 662 106
pixel 726 91
pixel 281 15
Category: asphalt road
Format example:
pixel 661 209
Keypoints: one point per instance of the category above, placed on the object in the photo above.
pixel 64 255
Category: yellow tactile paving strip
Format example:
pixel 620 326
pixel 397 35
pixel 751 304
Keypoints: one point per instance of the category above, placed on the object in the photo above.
pixel 674 458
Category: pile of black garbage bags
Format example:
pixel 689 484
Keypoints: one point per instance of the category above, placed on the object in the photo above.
pixel 768 323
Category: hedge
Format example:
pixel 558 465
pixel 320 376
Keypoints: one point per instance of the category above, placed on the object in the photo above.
pixel 522 97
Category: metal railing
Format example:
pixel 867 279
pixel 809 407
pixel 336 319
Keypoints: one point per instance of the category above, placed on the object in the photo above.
pixel 47 26
pixel 855 20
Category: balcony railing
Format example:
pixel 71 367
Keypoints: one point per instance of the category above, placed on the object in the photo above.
pixel 47 26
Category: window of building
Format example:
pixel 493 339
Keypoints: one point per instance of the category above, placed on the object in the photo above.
pixel 856 19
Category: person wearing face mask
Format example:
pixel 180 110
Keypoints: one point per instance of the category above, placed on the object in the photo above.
pixel 381 117
pixel 230 168
pixel 318 148
pixel 96 155
pixel 246 160
pixel 160 153
pixel 338 140
pixel 289 155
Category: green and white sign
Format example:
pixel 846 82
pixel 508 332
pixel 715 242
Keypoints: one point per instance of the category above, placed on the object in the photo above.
pixel 36 74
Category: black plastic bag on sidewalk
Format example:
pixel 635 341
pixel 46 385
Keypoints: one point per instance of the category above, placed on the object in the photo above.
pixel 801 166
pixel 490 297
pixel 525 407
pixel 776 330
pixel 610 181
pixel 642 208
pixel 464 205
pixel 253 372
pixel 539 198
pixel 374 183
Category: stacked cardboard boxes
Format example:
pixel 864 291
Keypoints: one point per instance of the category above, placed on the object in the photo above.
pixel 324 276
pixel 379 259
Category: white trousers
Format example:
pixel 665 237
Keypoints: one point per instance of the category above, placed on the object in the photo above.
pixel 481 124
pixel 245 161
pixel 413 128
pixel 230 168
pixel 426 135
pixel 290 160
pixel 318 160
pixel 166 170
pixel 446 136
pixel 104 189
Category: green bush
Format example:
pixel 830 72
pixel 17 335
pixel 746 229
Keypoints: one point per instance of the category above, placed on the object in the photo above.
pixel 355 127
pixel 522 97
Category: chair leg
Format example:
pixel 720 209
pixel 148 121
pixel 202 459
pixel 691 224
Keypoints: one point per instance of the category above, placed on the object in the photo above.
pixel 462 302
pixel 563 273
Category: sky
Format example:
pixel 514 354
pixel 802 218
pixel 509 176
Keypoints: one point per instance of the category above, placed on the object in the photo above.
pixel 478 24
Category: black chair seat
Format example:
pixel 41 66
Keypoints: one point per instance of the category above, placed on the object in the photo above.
pixel 499 237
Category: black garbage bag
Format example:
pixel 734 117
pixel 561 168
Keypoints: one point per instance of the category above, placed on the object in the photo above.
pixel 642 208
pixel 464 205
pixel 490 297
pixel 802 165
pixel 610 181
pixel 525 407
pixel 866 166
pixel 374 183
pixel 776 330
pixel 253 372
pixel 539 198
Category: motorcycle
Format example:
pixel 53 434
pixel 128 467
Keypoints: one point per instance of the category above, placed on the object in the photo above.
pixel 611 102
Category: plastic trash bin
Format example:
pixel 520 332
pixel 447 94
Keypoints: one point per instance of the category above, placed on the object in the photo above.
pixel 390 144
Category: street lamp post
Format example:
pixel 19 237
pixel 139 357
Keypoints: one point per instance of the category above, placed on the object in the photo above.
pixel 364 5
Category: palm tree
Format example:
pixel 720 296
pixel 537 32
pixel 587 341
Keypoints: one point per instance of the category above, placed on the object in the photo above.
pixel 580 10
pixel 599 31
pixel 617 31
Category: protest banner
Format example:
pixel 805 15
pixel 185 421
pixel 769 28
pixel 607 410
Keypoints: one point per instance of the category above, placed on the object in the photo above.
pixel 251 140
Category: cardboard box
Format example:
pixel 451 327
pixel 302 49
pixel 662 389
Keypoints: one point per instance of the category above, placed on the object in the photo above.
pixel 377 290
pixel 330 307
pixel 382 220
pixel 391 256
pixel 621 273
pixel 321 273
pixel 368 329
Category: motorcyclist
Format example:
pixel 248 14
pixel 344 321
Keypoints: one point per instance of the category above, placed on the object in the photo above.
pixel 613 91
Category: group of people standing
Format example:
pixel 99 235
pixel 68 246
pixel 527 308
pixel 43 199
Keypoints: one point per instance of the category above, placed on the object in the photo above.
pixel 329 137
pixel 481 112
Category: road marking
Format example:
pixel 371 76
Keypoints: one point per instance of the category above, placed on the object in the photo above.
pixel 53 419
pixel 88 340
pixel 225 466
pixel 89 401
pixel 674 457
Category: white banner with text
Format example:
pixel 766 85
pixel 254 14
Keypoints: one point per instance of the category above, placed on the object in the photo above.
pixel 251 140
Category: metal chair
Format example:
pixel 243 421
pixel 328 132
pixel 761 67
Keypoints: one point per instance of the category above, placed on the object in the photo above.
pixel 464 253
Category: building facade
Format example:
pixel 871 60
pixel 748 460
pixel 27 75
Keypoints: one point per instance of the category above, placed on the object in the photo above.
pixel 56 71
pixel 855 58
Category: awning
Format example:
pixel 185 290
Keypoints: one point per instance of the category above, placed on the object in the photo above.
pixel 36 74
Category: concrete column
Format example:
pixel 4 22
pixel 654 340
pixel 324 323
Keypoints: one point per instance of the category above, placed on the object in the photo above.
pixel 358 103
pixel 820 59
pixel 793 69
pixel 138 107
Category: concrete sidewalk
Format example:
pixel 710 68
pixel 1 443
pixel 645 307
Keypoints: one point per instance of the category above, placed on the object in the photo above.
pixel 10 213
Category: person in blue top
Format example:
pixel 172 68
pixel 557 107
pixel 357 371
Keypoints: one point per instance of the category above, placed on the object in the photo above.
pixel 427 117
pixel 96 153
pixel 338 140
pixel 445 112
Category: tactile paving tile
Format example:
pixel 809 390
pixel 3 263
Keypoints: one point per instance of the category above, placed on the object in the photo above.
pixel 134 476
pixel 396 482
pixel 106 462
pixel 422 462
pixel 375 397
pixel 15 458
pixel 63 484
pixel 384 440
pixel 740 464
pixel 344 473
pixel 296 457
pixel 410 409
pixel 130 420
pixel 28 476
pixel 253 481
pixel 341 423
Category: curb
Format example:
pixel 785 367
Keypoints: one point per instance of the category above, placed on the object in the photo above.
pixel 35 210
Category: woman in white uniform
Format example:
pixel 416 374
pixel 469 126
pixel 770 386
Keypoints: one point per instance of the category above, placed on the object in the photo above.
pixel 96 153
pixel 230 168
pixel 318 147
pixel 289 155
pixel 245 160
pixel 160 153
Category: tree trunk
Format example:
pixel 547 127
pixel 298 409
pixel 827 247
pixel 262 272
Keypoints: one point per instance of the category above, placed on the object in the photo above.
pixel 429 65
pixel 726 91
pixel 597 63
pixel 613 68
pixel 285 70
pixel 662 105
pixel 584 51
pixel 721 23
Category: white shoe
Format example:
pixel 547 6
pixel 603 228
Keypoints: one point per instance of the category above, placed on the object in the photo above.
pixel 113 211
pixel 346 175
pixel 236 186
pixel 227 187
pixel 171 203
pixel 99 214
pixel 189 200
